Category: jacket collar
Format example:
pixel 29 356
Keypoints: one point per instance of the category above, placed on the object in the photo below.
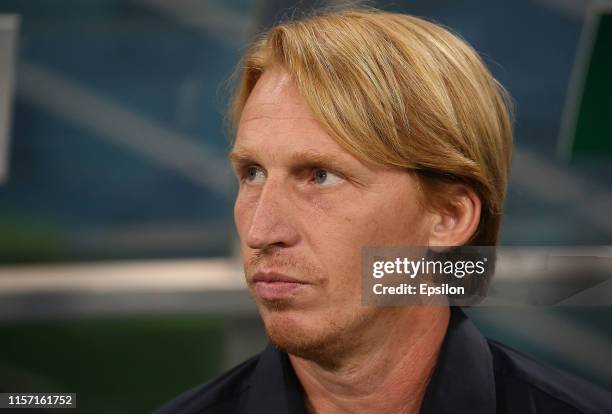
pixel 274 386
pixel 463 380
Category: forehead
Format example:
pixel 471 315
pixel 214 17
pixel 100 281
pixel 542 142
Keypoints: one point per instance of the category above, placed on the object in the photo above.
pixel 276 116
pixel 275 93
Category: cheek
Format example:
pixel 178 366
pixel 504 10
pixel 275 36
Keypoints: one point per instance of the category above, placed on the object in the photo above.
pixel 357 225
pixel 338 242
pixel 384 220
pixel 242 215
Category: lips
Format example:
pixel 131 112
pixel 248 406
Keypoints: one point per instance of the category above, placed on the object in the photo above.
pixel 273 286
pixel 274 277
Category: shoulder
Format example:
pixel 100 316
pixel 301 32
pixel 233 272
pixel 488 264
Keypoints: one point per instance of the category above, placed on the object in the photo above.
pixel 525 384
pixel 224 394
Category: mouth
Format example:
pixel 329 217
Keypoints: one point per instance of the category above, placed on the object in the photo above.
pixel 272 286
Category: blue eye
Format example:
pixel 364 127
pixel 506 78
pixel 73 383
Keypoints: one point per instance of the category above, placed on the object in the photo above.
pixel 254 174
pixel 324 177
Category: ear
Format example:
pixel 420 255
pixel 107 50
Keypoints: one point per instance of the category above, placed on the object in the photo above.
pixel 454 223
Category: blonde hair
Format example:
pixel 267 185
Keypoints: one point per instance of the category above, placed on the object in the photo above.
pixel 397 90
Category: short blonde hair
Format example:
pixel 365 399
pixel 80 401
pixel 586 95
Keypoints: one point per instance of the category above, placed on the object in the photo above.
pixel 397 90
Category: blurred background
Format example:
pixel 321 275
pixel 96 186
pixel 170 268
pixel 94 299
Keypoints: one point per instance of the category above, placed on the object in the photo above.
pixel 119 274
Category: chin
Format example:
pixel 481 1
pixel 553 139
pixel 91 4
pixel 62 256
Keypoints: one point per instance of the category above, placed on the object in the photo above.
pixel 312 338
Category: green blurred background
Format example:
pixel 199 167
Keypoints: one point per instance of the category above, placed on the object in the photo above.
pixel 118 271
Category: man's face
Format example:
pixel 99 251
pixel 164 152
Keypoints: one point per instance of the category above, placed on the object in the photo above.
pixel 305 208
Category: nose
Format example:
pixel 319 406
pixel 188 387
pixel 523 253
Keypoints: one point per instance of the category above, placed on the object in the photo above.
pixel 272 221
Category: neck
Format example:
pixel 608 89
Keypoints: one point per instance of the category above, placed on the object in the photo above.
pixel 388 373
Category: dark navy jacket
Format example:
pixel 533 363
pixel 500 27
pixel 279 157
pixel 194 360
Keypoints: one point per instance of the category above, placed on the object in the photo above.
pixel 473 375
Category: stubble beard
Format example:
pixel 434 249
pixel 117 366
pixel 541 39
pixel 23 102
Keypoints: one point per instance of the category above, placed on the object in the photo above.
pixel 325 342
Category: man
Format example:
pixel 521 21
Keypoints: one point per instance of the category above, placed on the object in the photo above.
pixel 364 128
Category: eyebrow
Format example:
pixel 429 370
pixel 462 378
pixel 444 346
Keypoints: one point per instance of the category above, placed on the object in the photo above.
pixel 242 156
